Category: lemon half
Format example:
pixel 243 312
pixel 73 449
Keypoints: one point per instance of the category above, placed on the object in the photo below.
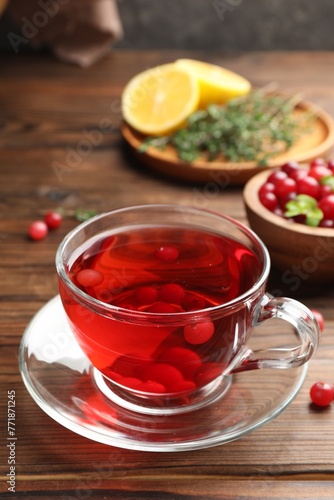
pixel 217 84
pixel 159 100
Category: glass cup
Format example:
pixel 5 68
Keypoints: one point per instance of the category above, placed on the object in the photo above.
pixel 163 299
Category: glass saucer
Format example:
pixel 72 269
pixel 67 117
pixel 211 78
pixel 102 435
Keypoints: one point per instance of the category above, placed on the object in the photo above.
pixel 60 379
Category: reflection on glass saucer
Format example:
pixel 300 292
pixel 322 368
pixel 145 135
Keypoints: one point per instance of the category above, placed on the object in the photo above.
pixel 60 379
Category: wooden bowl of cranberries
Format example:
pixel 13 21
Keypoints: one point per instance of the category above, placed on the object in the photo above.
pixel 292 210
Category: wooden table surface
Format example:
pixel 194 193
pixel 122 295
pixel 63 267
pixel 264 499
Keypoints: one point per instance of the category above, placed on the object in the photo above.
pixel 47 111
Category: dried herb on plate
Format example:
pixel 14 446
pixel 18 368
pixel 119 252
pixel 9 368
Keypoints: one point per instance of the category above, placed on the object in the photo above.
pixel 252 128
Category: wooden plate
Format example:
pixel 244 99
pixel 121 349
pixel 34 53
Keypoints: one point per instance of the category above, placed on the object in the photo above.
pixel 316 143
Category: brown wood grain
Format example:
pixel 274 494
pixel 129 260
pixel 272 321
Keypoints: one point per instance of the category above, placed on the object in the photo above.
pixel 47 110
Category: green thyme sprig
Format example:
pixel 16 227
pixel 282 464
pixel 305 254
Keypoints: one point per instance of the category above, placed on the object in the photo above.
pixel 79 214
pixel 251 128
pixel 82 215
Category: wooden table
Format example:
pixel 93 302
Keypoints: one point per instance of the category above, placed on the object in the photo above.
pixel 47 112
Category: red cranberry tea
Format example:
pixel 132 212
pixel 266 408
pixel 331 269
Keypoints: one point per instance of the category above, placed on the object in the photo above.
pixel 149 273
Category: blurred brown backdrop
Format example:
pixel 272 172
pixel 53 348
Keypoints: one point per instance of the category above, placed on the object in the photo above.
pixel 228 25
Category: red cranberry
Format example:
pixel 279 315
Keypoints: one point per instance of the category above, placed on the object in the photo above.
pixel 329 223
pixel 326 205
pixel 325 190
pixel 267 187
pixel 298 174
pixel 146 295
pixel 276 176
pixel 322 393
pixel 53 219
pixel 38 230
pixel 319 171
pixel 199 333
pixel 167 253
pixel 164 374
pixel 330 165
pixel 172 292
pixel 285 187
pixel 89 277
pixel 320 319
pixel 308 185
pixel 290 167
pixel 162 308
pixel 318 162
pixel 151 387
pixel 269 200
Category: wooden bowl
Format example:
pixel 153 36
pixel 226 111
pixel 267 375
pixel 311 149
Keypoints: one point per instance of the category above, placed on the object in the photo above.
pixel 303 254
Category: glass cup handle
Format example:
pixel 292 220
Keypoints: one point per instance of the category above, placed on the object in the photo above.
pixel 306 328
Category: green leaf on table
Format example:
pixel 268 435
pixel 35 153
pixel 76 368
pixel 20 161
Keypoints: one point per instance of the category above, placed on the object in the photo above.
pixel 82 215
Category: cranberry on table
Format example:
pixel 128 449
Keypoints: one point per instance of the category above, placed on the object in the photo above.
pixel 53 219
pixel 322 394
pixel 319 317
pixel 38 230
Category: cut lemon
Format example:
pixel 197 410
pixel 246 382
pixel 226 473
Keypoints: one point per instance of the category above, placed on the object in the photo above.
pixel 159 100
pixel 217 84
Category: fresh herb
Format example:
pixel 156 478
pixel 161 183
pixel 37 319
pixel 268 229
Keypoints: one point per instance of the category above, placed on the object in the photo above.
pixel 79 214
pixel 304 205
pixel 251 128
pixel 82 215
pixel 328 180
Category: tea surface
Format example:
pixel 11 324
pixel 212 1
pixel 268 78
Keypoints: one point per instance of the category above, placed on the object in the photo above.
pixel 161 270
pixel 164 269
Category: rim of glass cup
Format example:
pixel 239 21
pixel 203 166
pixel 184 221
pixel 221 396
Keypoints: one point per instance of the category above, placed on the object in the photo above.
pixel 103 306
